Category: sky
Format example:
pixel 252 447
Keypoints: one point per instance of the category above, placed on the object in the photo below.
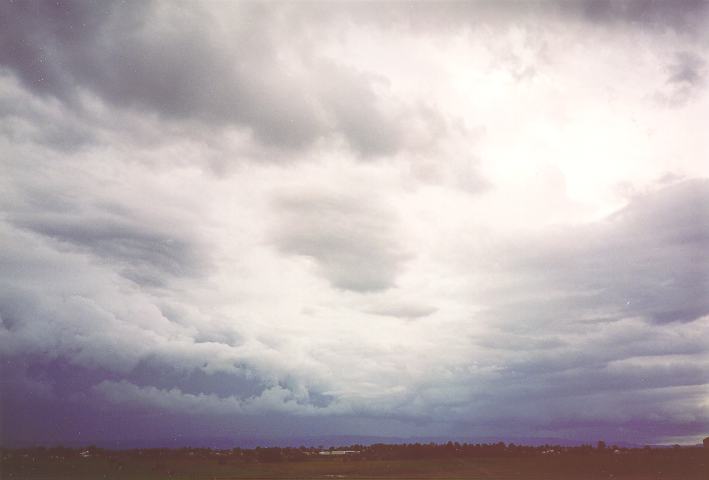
pixel 395 219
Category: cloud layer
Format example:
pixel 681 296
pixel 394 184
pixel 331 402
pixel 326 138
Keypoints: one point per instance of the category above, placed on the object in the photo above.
pixel 263 219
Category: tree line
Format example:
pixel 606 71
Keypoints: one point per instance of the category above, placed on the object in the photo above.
pixel 356 452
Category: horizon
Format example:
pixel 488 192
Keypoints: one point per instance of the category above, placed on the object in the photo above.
pixel 331 442
pixel 386 219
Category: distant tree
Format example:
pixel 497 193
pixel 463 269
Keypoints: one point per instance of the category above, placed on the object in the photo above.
pixel 706 442
pixel 601 445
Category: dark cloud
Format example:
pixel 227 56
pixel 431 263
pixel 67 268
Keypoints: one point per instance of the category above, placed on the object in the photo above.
pixel 649 260
pixel 146 246
pixel 261 70
pixel 656 254
pixel 38 35
pixel 59 303
pixel 145 255
pixel 154 372
pixel 110 49
pixel 63 380
pixel 598 315
pixel 681 16
pixel 183 65
pixel 594 385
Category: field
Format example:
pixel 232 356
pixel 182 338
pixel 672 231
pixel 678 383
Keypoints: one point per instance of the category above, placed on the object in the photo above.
pixel 636 464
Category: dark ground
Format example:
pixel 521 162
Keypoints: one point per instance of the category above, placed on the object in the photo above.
pixel 494 462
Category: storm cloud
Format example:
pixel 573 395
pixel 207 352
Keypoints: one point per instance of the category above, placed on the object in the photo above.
pixel 274 219
pixel 256 72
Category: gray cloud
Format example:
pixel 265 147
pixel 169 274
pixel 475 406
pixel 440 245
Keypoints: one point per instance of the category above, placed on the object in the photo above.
pixel 683 16
pixel 147 255
pixel 598 315
pixel 648 260
pixel 157 58
pixel 149 247
pixel 620 374
pixel 679 15
pixel 351 239
pixel 408 311
pixel 689 68
pixel 686 76
pixel 260 70
pixel 305 287
pixel 29 121
pixel 554 371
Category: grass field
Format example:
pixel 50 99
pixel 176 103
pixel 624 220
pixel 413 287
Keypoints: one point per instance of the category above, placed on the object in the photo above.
pixel 684 464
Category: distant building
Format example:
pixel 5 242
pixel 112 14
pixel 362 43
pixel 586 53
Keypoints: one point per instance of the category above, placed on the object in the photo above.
pixel 338 452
